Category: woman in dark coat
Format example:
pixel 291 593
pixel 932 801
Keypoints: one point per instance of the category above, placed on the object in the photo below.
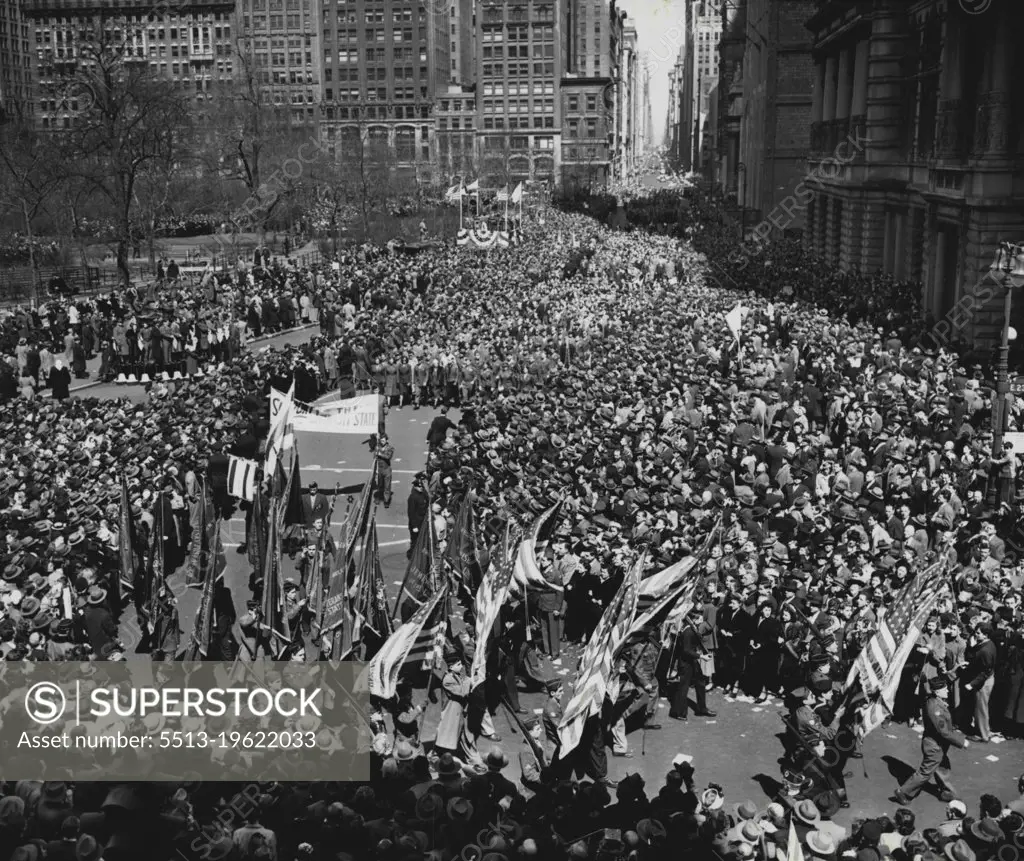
pixel 78 360
pixel 763 667
pixel 60 380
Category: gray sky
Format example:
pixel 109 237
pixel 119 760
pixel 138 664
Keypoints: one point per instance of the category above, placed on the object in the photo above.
pixel 660 30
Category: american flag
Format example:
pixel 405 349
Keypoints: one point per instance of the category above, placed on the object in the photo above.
pixel 526 573
pixel 489 599
pixel 653 589
pixel 415 642
pixel 596 665
pixel 880 663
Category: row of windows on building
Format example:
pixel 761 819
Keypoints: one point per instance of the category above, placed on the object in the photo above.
pixel 356 94
pixel 521 106
pixel 280 5
pixel 378 112
pixel 513 89
pixel 375 73
pixel 373 16
pixel 573 128
pixel 351 55
pixel 517 70
pixel 277 22
pixel 528 122
pixel 518 13
pixel 539 52
pixel 544 33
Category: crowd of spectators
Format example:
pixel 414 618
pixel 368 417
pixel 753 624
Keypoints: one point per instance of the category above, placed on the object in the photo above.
pixel 591 367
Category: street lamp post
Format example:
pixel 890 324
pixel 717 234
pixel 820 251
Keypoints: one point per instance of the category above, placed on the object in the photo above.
pixel 1008 269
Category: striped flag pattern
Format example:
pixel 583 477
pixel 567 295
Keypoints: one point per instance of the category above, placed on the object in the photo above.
pixel 880 663
pixel 411 643
pixel 526 572
pixel 489 599
pixel 242 477
pixel 654 588
pixel 595 673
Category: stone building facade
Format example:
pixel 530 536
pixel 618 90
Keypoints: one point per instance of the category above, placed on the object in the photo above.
pixel 916 157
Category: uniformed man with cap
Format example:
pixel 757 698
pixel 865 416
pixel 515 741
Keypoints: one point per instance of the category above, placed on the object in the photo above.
pixel 385 454
pixel 939 735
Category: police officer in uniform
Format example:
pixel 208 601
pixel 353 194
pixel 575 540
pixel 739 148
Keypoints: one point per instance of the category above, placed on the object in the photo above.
pixel 385 452
pixel 940 735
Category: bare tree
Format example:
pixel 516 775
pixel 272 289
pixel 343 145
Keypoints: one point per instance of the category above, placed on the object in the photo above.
pixel 126 128
pixel 30 178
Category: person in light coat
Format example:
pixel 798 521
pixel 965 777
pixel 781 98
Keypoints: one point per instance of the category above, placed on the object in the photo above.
pixel 456 685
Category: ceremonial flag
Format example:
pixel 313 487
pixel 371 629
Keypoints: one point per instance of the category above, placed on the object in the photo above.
pixel 517 195
pixel 421 577
pixel 526 574
pixel 655 588
pixel 410 644
pixel 489 599
pixel 597 663
pixel 473 186
pixel 273 585
pixel 734 319
pixel 257 541
pixel 202 630
pixel 282 427
pixel 880 663
pixel 462 554
pixel 502 195
pixel 242 477
pixel 126 539
pixel 294 512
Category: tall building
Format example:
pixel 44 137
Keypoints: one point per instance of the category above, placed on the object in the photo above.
pixel 647 117
pixel 628 104
pixel 520 57
pixel 916 151
pixel 777 84
pixel 590 92
pixel 281 47
pixel 462 26
pixel 730 96
pixel 190 44
pixel 16 91
pixel 707 31
pixel 385 62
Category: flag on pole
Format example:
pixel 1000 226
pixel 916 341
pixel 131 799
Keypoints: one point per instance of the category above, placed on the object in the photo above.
pixel 880 664
pixel 734 319
pixel 202 630
pixel 596 665
pixel 410 644
pixel 526 574
pixel 502 195
pixel 474 186
pixel 489 599
pixel 242 477
pixel 794 851
pixel 282 427
pixel 517 194
pixel 126 540
pixel 420 580
pixel 653 589
pixel 462 553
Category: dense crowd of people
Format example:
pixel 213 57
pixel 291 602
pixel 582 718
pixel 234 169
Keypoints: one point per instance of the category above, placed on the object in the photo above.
pixel 592 368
